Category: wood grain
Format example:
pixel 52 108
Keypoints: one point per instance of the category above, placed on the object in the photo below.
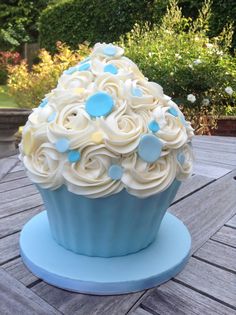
pixel 20 205
pixel 232 222
pixel 18 270
pixel 81 304
pixel 226 235
pixel 9 247
pixel 18 193
pixel 12 176
pixel 218 254
pixel 213 281
pixel 206 211
pixel 140 311
pixel 6 164
pixel 191 185
pixel 17 299
pixel 15 184
pixel 173 298
pixel 14 223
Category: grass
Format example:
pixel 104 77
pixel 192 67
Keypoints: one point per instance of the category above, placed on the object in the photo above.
pixel 5 99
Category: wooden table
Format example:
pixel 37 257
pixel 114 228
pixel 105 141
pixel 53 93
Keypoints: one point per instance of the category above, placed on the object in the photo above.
pixel 206 203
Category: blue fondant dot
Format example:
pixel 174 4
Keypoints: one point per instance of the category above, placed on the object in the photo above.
pixel 137 92
pixel 173 111
pixel 99 104
pixel 62 145
pixel 154 126
pixel 71 70
pixel 73 156
pixel 43 103
pixel 111 69
pixel 84 67
pixel 149 148
pixel 52 116
pixel 115 172
pixel 181 158
pixel 109 50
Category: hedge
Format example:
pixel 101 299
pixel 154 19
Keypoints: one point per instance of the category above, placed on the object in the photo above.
pixel 76 21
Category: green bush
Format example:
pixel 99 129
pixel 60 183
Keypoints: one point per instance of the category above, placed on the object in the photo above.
pixel 178 55
pixel 76 21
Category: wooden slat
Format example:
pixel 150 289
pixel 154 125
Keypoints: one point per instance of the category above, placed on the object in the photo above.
pixel 213 281
pixel 208 170
pixel 7 164
pixel 218 254
pixel 18 193
pixel 140 311
pixel 192 184
pixel 20 205
pixel 173 298
pixel 9 247
pixel 12 176
pixel 226 235
pixel 18 167
pixel 206 210
pixel 15 184
pixel 18 270
pixel 215 139
pixel 14 223
pixel 212 145
pixel 215 156
pixel 82 304
pixel 232 222
pixel 17 299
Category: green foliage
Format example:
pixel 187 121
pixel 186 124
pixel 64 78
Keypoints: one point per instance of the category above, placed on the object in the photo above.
pixel 29 87
pixel 76 21
pixel 179 55
pixel 19 22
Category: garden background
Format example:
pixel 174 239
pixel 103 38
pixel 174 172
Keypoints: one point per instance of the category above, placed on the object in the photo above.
pixel 188 47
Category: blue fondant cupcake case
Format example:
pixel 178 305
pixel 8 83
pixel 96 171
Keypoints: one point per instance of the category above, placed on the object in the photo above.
pixel 117 225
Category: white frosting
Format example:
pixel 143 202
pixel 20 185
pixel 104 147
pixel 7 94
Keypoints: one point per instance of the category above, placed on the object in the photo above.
pixel 103 141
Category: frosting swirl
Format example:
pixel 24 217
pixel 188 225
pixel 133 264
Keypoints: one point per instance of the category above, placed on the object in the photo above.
pixel 105 128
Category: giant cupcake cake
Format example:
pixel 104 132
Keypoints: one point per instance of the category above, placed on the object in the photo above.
pixel 107 150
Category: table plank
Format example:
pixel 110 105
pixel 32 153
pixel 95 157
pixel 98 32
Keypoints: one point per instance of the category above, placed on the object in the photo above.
pixel 14 223
pixel 232 222
pixel 17 299
pixel 140 311
pixel 216 253
pixel 6 164
pixel 20 205
pixel 18 270
pixel 15 184
pixel 211 280
pixel 208 170
pixel 18 167
pixel 173 298
pixel 226 235
pixel 19 193
pixel 191 185
pixel 74 303
pixel 9 247
pixel 12 176
pixel 206 210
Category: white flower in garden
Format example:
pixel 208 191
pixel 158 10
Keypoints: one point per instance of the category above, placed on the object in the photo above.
pixel 209 45
pixel 205 101
pixel 197 62
pixel 177 56
pixel 229 90
pixel 191 98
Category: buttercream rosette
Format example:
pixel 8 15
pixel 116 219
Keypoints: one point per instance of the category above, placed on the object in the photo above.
pixel 105 128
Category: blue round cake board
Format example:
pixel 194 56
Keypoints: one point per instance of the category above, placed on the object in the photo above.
pixel 157 263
